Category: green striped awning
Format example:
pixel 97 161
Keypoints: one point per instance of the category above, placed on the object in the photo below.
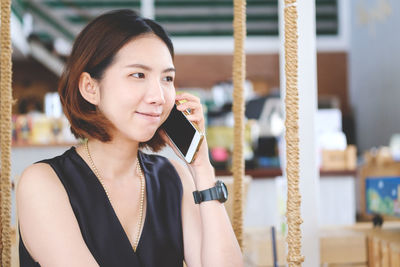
pixel 188 18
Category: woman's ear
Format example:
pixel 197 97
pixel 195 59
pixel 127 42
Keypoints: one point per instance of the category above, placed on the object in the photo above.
pixel 89 88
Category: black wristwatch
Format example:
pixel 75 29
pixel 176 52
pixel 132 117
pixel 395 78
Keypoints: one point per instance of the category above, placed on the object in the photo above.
pixel 218 192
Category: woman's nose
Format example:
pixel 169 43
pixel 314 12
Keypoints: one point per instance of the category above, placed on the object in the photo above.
pixel 155 93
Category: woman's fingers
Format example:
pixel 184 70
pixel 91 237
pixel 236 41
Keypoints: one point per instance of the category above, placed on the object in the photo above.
pixel 196 116
pixel 193 106
pixel 187 96
pixel 196 109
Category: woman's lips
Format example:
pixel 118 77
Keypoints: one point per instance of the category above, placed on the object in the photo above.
pixel 150 116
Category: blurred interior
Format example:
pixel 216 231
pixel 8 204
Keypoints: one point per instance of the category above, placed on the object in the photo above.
pixel 357 127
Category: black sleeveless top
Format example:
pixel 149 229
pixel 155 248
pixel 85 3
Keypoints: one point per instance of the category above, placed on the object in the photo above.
pixel 161 241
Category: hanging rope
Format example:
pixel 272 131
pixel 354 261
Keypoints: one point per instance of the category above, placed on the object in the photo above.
pixel 239 76
pixel 294 257
pixel 5 132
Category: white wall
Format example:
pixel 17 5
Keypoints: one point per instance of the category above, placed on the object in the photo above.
pixel 374 64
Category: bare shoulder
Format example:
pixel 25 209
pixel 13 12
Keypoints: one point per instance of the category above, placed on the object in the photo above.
pixel 38 190
pixel 39 176
pixel 38 183
pixel 48 226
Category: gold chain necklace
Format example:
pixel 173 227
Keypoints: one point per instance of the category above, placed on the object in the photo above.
pixel 139 169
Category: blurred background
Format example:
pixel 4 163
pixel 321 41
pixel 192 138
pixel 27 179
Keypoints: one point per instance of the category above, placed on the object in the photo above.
pixel 357 122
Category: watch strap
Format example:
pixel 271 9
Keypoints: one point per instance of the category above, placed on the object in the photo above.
pixel 205 195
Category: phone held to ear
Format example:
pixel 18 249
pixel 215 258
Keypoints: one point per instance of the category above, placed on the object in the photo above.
pixel 184 134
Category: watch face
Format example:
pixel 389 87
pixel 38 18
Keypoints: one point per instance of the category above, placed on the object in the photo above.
pixel 222 191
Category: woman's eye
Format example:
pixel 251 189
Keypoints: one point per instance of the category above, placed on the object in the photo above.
pixel 169 79
pixel 139 75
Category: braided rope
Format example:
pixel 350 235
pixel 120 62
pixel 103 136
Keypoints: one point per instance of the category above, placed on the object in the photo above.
pixel 239 75
pixel 5 133
pixel 294 257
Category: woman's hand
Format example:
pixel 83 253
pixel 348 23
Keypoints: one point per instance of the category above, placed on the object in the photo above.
pixel 196 116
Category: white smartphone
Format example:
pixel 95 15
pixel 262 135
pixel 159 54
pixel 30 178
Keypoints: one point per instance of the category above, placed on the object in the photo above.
pixel 184 134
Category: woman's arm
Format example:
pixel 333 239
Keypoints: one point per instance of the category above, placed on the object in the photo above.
pixel 209 240
pixel 47 223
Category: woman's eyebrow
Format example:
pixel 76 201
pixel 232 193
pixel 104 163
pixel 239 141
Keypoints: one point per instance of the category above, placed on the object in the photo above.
pixel 148 68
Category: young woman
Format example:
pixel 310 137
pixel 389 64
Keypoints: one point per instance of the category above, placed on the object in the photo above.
pixel 107 203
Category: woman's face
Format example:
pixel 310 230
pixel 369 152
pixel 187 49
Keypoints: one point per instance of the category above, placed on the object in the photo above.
pixel 137 90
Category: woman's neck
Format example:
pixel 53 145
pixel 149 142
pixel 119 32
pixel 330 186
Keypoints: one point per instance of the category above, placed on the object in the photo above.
pixel 115 159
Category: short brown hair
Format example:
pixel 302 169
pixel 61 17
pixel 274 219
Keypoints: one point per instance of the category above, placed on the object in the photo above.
pixel 93 51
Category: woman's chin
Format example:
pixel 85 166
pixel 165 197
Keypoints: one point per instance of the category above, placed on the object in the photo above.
pixel 145 137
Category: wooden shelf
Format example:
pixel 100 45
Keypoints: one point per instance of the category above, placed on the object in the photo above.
pixel 274 172
pixel 43 145
pixel 255 173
